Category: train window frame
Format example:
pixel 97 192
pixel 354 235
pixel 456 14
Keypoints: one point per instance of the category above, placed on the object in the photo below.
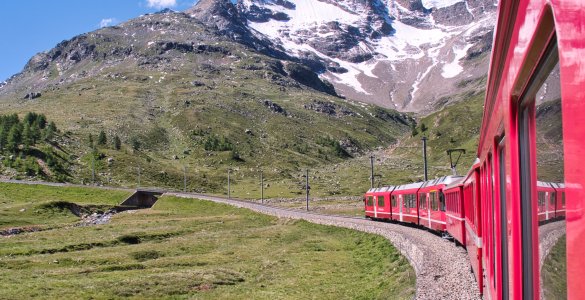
pixel 526 154
pixel 381 198
pixel 492 188
pixel 503 222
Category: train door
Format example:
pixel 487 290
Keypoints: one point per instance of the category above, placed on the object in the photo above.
pixel 401 205
pixel 393 205
pixel 541 158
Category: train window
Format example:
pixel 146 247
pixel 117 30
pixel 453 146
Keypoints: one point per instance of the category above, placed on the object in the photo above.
pixel 393 200
pixel 553 198
pixel 541 199
pixel 434 202
pixel 380 201
pixel 410 201
pixel 422 201
pixel 541 153
pixel 370 201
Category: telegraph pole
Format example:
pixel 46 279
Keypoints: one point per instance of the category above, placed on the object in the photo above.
pixel 229 192
pixel 93 167
pixel 307 187
pixel 138 176
pixel 424 139
pixel 262 187
pixel 372 171
pixel 184 179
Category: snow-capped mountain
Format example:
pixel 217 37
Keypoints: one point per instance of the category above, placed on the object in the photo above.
pixel 410 55
pixel 403 54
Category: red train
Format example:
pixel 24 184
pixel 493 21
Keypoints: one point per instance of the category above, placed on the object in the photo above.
pixel 499 210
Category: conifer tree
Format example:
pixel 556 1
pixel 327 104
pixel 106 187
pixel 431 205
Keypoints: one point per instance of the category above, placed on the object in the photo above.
pixel 117 142
pixel 27 136
pixel 102 139
pixel 14 138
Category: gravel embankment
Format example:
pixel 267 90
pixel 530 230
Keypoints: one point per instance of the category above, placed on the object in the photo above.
pixel 548 235
pixel 442 269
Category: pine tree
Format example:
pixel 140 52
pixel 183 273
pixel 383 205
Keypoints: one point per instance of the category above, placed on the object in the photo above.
pixel 53 126
pixel 27 136
pixel 117 142
pixel 48 134
pixel 102 139
pixel 3 138
pixel 90 140
pixel 423 127
pixel 41 121
pixel 14 138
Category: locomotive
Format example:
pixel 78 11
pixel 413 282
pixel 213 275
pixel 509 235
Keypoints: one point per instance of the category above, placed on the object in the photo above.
pixel 499 210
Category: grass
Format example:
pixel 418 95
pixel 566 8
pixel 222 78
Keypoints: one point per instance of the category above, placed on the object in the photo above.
pixel 40 205
pixel 198 249
pixel 554 271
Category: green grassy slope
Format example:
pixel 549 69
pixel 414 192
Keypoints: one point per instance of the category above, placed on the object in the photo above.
pixel 39 205
pixel 278 128
pixel 197 249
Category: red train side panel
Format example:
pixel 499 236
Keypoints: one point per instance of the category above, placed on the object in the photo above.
pixel 473 233
pixel 406 200
pixel 432 203
pixel 377 203
pixel 454 213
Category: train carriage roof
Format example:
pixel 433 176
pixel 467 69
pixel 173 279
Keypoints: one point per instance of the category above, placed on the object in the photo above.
pixel 410 186
pixel 381 189
pixel 445 180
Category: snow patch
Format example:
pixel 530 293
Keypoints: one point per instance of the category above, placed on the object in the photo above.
pixel 439 3
pixel 453 68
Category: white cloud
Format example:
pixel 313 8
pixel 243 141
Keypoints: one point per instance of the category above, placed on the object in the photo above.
pixel 161 3
pixel 107 22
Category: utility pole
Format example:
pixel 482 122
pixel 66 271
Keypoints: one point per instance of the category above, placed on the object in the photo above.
pixel 93 167
pixel 424 139
pixel 229 191
pixel 262 187
pixel 307 187
pixel 372 171
pixel 184 179
pixel 138 176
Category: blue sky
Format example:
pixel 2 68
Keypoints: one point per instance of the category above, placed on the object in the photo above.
pixel 28 27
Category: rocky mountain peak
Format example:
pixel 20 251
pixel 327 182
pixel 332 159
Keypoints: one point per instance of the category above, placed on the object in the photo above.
pixel 402 54
pixel 222 14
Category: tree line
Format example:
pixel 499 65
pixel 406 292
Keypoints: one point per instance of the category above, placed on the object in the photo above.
pixel 18 135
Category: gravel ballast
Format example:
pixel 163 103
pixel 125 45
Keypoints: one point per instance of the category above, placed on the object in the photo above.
pixel 442 269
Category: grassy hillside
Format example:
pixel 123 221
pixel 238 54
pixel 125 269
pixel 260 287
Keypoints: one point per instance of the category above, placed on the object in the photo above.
pixel 211 113
pixel 197 249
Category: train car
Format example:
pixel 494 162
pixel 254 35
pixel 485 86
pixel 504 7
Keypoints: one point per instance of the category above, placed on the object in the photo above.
pixel 431 203
pixel 377 203
pixel 547 196
pixel 538 44
pixel 404 200
pixel 560 201
pixel 454 211
pixel 472 220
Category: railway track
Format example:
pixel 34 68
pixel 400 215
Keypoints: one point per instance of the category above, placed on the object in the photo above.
pixel 442 269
